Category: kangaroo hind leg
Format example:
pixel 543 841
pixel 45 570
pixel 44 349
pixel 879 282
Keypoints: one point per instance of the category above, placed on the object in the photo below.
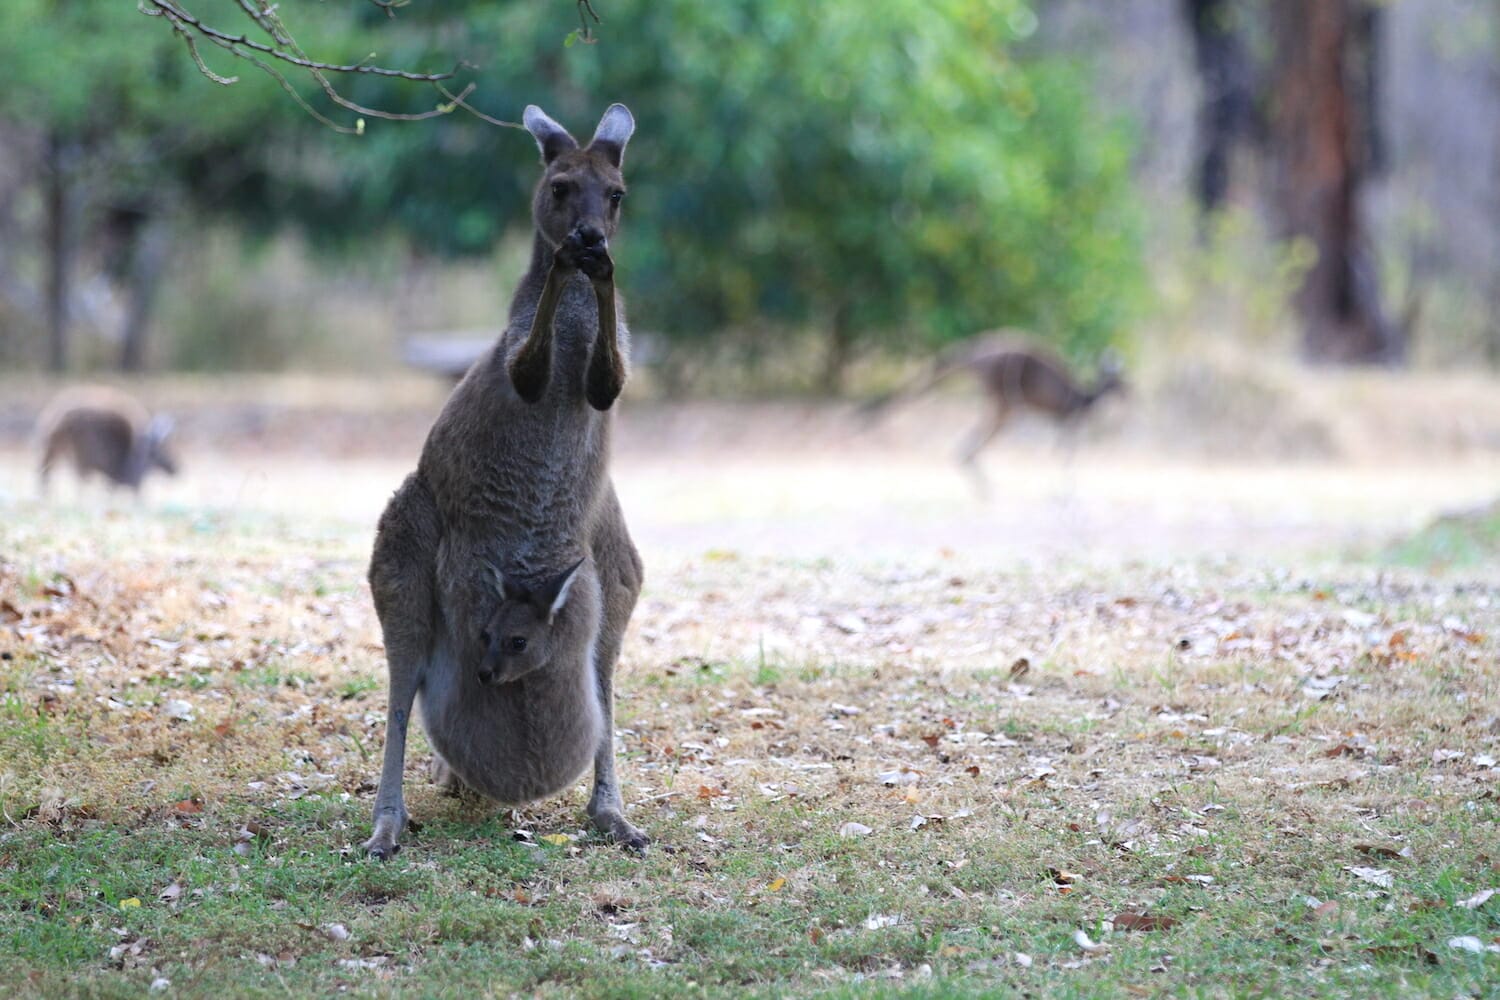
pixel 402 582
pixel 620 576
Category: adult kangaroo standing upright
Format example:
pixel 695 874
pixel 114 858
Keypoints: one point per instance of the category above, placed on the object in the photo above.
pixel 511 523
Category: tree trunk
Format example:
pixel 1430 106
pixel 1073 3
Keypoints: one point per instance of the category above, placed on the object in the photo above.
pixel 1320 142
pixel 60 208
pixel 147 257
pixel 840 351
pixel 1226 102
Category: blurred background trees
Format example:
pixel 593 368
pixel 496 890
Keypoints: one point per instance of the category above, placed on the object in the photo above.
pixel 810 181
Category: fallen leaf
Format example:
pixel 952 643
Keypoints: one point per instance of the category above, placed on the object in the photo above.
pixel 188 807
pixel 852 829
pixel 1375 876
pixel 170 893
pixel 1085 942
pixel 1472 944
pixel 875 921
pixel 1143 922
pixel 129 904
pixel 1477 900
pixel 335 932
pixel 1382 851
pixel 364 963
pixel 1020 668
pixel 777 884
pixel 555 839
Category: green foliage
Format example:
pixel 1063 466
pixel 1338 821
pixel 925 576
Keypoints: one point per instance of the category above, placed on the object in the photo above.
pixel 912 174
pixel 920 172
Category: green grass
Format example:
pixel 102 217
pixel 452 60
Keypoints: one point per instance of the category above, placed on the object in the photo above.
pixel 1200 786
pixel 1455 541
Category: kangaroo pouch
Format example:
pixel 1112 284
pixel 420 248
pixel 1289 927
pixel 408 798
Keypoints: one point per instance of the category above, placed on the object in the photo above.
pixel 516 742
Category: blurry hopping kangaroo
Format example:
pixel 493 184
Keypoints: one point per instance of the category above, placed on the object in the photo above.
pixel 104 431
pixel 1015 374
pixel 503 573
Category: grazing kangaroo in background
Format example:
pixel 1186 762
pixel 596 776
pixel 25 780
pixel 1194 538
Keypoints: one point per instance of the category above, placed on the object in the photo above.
pixel 107 432
pixel 503 573
pixel 1015 373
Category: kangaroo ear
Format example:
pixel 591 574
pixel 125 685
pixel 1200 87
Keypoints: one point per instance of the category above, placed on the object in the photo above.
pixel 551 138
pixel 557 590
pixel 160 426
pixel 614 131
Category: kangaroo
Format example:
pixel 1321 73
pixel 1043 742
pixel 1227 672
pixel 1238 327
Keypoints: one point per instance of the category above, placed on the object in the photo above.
pixel 503 573
pixel 1015 373
pixel 107 432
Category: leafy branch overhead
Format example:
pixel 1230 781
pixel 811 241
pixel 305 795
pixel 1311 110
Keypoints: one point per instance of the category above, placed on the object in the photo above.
pixel 280 56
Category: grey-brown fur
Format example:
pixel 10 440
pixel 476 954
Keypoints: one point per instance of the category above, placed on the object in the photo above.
pixel 513 481
pixel 105 432
pixel 1015 373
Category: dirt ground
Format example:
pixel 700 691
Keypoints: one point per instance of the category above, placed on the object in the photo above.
pixel 1144 481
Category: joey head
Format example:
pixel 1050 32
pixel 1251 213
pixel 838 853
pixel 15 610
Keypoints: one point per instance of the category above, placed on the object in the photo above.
pixel 517 639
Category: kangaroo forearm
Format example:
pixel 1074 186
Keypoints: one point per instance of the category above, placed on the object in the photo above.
pixel 532 367
pixel 606 374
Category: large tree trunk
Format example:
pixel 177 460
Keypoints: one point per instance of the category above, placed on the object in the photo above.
pixel 60 199
pixel 1226 102
pixel 1321 145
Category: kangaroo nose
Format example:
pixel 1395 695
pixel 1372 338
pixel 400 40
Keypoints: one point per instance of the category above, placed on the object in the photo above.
pixel 591 236
pixel 486 676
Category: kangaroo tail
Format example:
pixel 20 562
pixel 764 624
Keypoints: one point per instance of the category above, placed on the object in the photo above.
pixel 943 365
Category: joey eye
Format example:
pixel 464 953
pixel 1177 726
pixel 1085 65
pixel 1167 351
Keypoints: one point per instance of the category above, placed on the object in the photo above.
pixel 615 197
pixel 517 643
pixel 559 190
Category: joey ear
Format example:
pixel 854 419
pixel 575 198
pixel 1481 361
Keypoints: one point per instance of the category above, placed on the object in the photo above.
pixel 504 589
pixel 551 138
pixel 556 592
pixel 160 426
pixel 614 131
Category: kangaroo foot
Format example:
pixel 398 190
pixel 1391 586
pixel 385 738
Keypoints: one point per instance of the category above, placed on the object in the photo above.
pixel 384 843
pixel 614 826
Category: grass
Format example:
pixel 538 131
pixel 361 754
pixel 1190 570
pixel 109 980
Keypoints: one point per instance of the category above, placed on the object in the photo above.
pixel 1455 541
pixel 191 719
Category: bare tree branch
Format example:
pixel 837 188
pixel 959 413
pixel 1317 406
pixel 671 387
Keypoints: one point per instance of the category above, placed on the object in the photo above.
pixel 585 32
pixel 284 50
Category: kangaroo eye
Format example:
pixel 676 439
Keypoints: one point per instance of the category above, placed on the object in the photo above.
pixel 484 637
pixel 517 644
pixel 615 197
pixel 559 190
